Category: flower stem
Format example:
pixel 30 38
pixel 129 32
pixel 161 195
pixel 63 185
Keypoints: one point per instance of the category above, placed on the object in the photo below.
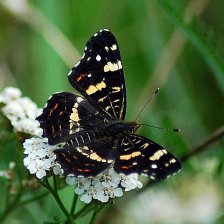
pixel 7 196
pixel 11 205
pixel 95 213
pixel 74 203
pixel 57 198
pixel 82 211
pixel 93 217
pixel 55 184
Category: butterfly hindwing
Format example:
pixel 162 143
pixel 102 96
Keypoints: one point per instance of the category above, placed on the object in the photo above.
pixel 86 160
pixel 143 156
pixel 66 114
pixel 99 75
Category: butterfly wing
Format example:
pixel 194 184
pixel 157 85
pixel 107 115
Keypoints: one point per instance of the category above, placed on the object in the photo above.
pixel 87 160
pixel 99 75
pixel 143 156
pixel 66 114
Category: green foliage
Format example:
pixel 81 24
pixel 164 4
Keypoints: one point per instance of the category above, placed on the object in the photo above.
pixel 191 94
pixel 202 38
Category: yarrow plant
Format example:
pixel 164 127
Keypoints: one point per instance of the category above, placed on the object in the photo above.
pixel 39 157
pixel 21 111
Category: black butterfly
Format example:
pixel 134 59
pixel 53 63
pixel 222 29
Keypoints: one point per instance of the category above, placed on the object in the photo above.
pixel 92 126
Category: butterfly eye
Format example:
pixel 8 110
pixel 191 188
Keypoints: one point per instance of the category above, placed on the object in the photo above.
pixel 134 127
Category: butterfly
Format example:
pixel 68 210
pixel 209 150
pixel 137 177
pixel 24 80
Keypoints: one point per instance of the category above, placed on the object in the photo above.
pixel 92 125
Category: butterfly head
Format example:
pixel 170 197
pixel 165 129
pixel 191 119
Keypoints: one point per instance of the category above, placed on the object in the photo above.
pixel 133 127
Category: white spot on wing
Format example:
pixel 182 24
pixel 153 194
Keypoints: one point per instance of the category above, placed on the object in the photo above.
pixel 154 166
pixel 83 56
pixel 172 161
pixel 104 30
pixel 115 101
pixel 152 177
pixel 70 72
pixel 76 105
pixel 114 47
pixel 79 99
pixel 102 99
pixel 116 89
pixel 107 108
pixel 94 88
pixel 119 65
pixel 74 115
pixel 77 64
pixel 156 155
pixel 112 66
pixel 98 58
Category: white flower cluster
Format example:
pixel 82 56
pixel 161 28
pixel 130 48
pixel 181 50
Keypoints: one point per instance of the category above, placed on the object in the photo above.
pixel 21 111
pixel 39 156
pixel 40 159
pixel 108 184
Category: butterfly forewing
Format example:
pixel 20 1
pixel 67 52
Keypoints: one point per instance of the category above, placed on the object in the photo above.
pixel 99 75
pixel 143 156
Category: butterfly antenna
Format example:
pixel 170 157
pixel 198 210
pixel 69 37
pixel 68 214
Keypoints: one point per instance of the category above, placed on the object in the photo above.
pixel 167 129
pixel 149 100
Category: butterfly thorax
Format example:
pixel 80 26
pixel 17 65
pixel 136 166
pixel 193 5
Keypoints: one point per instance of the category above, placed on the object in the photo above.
pixel 120 128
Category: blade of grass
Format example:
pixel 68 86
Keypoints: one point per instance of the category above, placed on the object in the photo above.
pixel 170 54
pixel 198 40
pixel 47 30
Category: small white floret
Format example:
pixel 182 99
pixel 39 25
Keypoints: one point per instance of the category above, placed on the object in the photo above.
pixel 98 58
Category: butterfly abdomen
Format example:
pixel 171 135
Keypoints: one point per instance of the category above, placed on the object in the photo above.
pixel 82 138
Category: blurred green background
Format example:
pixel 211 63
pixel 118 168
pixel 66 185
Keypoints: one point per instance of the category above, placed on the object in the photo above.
pixel 174 45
